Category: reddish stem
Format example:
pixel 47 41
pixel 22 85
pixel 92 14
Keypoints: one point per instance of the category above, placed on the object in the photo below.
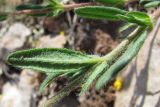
pixel 41 11
pixel 72 6
pixel 28 11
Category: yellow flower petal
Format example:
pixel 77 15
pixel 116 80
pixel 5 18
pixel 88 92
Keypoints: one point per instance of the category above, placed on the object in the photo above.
pixel 118 84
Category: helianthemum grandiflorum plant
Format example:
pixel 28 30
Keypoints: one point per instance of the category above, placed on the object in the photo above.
pixel 82 69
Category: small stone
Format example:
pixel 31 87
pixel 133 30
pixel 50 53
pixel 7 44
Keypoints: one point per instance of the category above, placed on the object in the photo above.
pixel 23 94
pixel 15 37
pixel 52 42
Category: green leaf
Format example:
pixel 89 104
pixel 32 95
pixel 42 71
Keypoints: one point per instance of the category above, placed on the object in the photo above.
pixel 3 16
pixel 112 2
pixel 59 96
pixel 115 14
pixel 66 90
pixel 95 73
pixel 143 2
pixel 52 60
pixel 139 18
pixel 130 53
pixel 55 4
pixel 34 7
pixel 56 12
pixel 30 6
pixel 57 7
pixel 100 12
pixel 126 27
pixel 50 77
pixel 74 75
pixel 152 4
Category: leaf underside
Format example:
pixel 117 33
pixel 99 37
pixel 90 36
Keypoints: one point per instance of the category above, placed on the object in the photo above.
pixel 50 77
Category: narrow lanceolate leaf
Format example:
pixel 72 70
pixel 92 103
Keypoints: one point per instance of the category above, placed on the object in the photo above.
pixel 152 4
pixel 115 14
pixel 100 12
pixel 141 18
pixel 3 16
pixel 50 77
pixel 33 8
pixel 93 76
pixel 130 53
pixel 73 75
pixel 52 60
pixel 144 2
pixel 29 6
pixel 66 90
pixel 112 2
pixel 125 27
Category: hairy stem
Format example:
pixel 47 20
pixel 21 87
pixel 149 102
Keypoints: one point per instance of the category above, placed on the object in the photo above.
pixel 112 56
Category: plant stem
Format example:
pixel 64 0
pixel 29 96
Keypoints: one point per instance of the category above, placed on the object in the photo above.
pixel 41 11
pixel 112 56
pixel 29 11
pixel 73 6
